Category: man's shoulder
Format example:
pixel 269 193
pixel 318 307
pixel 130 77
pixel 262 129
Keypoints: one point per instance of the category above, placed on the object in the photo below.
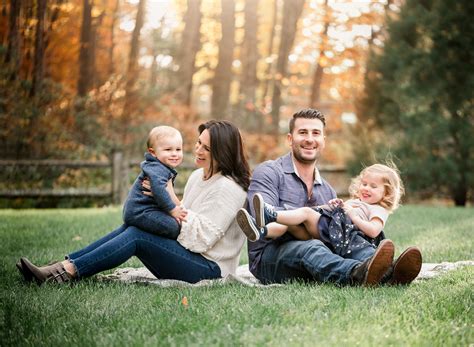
pixel 270 165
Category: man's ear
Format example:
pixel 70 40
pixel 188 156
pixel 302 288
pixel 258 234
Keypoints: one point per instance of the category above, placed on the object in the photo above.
pixel 289 139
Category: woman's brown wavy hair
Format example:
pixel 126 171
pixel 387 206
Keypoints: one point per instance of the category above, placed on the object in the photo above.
pixel 227 151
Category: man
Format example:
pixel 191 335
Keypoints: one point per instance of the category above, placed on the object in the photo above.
pixel 293 180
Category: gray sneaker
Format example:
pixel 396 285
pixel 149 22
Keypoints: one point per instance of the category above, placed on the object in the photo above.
pixel 248 225
pixel 264 213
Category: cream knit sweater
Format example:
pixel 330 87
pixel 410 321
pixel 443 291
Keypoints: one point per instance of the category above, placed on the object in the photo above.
pixel 211 228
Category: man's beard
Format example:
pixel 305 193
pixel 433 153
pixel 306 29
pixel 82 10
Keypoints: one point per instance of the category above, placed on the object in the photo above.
pixel 299 157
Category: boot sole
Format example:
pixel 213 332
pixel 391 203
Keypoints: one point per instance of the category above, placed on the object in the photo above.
pixel 407 267
pixel 380 263
pixel 26 275
pixel 246 224
pixel 258 204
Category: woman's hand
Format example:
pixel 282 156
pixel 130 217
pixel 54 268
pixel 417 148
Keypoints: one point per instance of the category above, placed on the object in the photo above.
pixel 179 213
pixel 146 185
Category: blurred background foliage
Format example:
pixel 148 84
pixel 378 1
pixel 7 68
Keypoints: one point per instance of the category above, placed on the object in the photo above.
pixel 82 78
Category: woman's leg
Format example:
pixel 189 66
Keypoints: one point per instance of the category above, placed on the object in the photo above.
pixel 304 215
pixel 165 258
pixel 97 243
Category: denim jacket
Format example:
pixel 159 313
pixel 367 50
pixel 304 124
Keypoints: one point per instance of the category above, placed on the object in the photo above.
pixel 159 175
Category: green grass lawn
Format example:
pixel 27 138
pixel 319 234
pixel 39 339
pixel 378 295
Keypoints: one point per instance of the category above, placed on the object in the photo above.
pixel 437 312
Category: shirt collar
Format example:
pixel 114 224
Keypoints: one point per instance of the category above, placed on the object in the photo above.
pixel 289 167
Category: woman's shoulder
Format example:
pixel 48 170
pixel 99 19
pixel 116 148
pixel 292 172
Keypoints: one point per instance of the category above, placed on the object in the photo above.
pixel 225 181
pixel 198 173
pixel 226 186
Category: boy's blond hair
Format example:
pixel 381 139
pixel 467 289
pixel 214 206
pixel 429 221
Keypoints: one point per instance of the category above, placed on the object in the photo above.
pixel 158 133
pixel 392 182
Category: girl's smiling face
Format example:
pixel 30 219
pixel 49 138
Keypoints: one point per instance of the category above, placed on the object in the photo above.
pixel 371 188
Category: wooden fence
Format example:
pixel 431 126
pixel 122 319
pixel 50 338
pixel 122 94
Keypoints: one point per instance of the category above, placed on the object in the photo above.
pixel 120 178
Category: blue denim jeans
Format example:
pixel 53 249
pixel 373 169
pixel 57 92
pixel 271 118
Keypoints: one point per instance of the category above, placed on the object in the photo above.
pixel 164 257
pixel 305 260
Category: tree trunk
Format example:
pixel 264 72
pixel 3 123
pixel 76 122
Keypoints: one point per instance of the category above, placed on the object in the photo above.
pixel 38 68
pixel 223 73
pixel 268 75
pixel 95 76
pixel 112 38
pixel 155 50
pixel 53 18
pixel 84 80
pixel 291 12
pixel 13 56
pixel 132 72
pixel 190 45
pixel 318 71
pixel 249 80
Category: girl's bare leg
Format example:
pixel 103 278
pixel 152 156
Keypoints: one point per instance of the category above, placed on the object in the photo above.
pixel 303 215
pixel 275 230
pixel 299 232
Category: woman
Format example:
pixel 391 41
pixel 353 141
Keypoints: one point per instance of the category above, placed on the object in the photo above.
pixel 210 241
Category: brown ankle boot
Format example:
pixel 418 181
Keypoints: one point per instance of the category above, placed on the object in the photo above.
pixel 371 271
pixel 55 273
pixel 407 267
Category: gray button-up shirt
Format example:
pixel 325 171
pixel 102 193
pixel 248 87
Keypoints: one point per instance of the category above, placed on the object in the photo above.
pixel 281 187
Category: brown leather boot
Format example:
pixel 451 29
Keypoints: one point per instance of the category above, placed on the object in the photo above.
pixel 55 273
pixel 371 271
pixel 26 274
pixel 407 267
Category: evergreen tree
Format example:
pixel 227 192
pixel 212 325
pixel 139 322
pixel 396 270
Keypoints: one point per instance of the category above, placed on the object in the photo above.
pixel 419 97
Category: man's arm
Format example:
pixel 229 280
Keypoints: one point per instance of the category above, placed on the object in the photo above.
pixel 265 181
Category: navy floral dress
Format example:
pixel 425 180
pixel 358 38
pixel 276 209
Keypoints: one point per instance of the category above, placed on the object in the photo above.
pixel 339 233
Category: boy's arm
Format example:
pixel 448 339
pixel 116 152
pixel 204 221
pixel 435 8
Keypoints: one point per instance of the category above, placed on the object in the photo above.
pixel 170 190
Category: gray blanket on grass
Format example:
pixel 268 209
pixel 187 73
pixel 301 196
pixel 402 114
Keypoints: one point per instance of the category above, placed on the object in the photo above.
pixel 243 275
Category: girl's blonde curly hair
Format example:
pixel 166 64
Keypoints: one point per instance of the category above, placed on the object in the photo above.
pixel 392 182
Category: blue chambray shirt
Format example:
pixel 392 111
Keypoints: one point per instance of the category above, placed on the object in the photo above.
pixel 282 188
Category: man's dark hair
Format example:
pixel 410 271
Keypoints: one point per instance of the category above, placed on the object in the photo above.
pixel 308 113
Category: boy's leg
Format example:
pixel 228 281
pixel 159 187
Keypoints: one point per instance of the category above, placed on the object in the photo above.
pixel 158 223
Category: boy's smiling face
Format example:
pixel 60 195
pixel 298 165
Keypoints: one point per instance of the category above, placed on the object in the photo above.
pixel 168 150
